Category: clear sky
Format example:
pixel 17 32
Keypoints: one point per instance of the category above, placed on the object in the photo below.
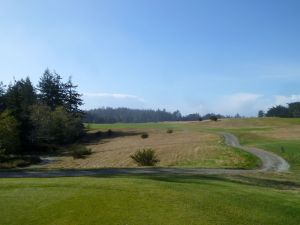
pixel 201 56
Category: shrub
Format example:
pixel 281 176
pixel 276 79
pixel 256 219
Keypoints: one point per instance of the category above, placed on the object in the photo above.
pixel 18 161
pixel 80 152
pixel 213 118
pixel 109 132
pixel 9 134
pixel 54 127
pixel 145 157
pixel 169 131
pixel 145 135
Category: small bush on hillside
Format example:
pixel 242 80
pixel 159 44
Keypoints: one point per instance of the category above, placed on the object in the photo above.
pixel 80 152
pixel 145 157
pixel 213 118
pixel 109 132
pixel 145 135
pixel 18 161
pixel 169 131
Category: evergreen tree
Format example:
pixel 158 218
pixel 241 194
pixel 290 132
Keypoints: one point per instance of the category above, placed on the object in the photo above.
pixel 2 97
pixel 51 89
pixel 9 134
pixel 72 99
pixel 19 97
pixel 294 109
pixel 278 111
pixel 261 113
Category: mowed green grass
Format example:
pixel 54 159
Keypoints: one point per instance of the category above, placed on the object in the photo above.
pixel 260 199
pixel 144 200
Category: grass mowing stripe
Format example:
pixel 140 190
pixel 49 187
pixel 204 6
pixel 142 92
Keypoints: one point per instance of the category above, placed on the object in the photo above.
pixel 144 200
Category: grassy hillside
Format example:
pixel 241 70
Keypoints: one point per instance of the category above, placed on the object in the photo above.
pixel 138 200
pixel 258 198
pixel 281 136
pixel 183 147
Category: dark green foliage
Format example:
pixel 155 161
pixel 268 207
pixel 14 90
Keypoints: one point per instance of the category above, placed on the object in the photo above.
pixel 18 100
pixel 145 135
pixel 72 99
pixel 145 157
pixel 8 162
pixel 49 117
pixel 169 131
pixel 65 128
pixel 9 134
pixel 125 115
pixel 109 132
pixel 294 109
pixel 56 127
pixel 41 118
pixel 261 113
pixel 191 117
pixel 2 97
pixel 278 111
pixel 213 118
pixel 51 90
pixel 79 152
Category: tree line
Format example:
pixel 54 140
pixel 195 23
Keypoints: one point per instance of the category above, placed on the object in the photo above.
pixel 291 111
pixel 35 118
pixel 126 115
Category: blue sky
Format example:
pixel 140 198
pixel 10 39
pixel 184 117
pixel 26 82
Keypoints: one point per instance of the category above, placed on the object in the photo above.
pixel 196 56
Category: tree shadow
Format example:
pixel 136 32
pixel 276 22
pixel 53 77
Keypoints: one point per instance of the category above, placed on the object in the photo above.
pixel 203 179
pixel 103 137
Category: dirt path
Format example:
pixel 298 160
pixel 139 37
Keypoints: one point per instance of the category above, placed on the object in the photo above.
pixel 270 163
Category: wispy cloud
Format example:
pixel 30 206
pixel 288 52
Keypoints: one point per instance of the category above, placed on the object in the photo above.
pixel 243 103
pixel 283 100
pixel 248 104
pixel 114 95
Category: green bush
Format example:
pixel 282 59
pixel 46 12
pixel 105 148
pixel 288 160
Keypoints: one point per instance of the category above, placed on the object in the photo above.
pixel 79 152
pixel 145 157
pixel 54 127
pixel 18 161
pixel 214 118
pixel 9 134
pixel 145 135
pixel 109 132
pixel 169 131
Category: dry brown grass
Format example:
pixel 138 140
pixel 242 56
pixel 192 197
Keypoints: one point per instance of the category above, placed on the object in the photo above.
pixel 185 148
pixel 272 128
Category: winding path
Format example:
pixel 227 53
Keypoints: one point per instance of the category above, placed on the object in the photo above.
pixel 270 163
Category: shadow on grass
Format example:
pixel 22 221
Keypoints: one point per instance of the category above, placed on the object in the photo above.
pixel 200 179
pixel 96 137
pixel 249 180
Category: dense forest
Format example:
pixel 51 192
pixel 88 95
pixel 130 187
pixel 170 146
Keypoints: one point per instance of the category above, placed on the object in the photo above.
pixel 291 111
pixel 34 118
pixel 125 115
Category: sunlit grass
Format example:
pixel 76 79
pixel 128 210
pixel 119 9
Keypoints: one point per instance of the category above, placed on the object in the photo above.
pixel 167 200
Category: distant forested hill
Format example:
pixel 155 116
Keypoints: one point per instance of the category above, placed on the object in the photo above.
pixel 125 115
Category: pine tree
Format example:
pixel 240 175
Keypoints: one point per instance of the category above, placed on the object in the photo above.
pixel 19 98
pixel 51 89
pixel 72 99
pixel 261 113
pixel 2 97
